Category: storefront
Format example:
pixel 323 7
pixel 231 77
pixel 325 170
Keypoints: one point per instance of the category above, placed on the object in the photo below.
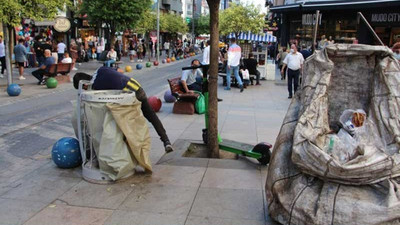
pixel 339 21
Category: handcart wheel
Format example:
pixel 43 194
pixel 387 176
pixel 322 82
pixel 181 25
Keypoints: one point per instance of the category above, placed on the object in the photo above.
pixel 263 149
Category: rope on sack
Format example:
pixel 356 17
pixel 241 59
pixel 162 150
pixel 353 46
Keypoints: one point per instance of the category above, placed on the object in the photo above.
pixel 280 179
pixel 334 204
pixel 309 184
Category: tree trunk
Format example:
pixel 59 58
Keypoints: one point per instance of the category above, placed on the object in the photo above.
pixel 8 45
pixel 112 35
pixel 213 145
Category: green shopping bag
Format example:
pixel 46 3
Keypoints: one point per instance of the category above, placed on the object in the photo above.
pixel 200 105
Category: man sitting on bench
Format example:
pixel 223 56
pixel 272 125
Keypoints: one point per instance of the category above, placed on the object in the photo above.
pixel 251 65
pixel 108 78
pixel 191 79
pixel 44 68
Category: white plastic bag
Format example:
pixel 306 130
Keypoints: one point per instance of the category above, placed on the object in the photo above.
pixel 245 74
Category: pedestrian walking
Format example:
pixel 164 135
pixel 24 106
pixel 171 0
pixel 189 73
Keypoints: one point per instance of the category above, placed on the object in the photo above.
pixel 20 53
pixel 38 49
pixel 294 61
pixel 2 57
pixel 234 56
pixel 73 49
pixel 166 47
pixel 61 50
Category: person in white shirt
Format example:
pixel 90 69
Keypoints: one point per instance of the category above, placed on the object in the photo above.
pixel 2 57
pixel 66 58
pixel 234 55
pixel 206 54
pixel 60 50
pixel 294 61
pixel 111 57
pixel 166 47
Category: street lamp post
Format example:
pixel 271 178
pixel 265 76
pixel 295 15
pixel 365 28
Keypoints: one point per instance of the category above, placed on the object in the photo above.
pixel 158 31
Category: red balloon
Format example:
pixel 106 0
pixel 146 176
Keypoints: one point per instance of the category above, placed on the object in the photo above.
pixel 155 103
pixel 155 63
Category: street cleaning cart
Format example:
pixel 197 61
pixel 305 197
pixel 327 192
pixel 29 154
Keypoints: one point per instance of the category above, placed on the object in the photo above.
pixel 113 134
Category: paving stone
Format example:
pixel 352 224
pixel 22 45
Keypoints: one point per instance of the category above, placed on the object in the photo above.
pixel 243 163
pixel 177 175
pixel 170 199
pixel 96 195
pixel 69 215
pixel 16 212
pixel 196 220
pixel 229 204
pixel 40 188
pixel 232 179
pixel 121 217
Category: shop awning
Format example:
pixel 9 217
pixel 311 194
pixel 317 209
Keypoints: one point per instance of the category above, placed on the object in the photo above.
pixel 336 4
pixel 254 37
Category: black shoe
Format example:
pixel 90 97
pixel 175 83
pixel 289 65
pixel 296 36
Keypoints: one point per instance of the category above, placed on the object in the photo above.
pixel 241 88
pixel 219 99
pixel 290 97
pixel 168 148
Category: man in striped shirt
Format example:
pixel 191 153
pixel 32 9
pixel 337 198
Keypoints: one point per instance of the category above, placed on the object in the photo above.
pixel 108 78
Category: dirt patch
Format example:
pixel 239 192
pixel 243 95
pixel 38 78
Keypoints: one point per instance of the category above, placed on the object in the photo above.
pixel 198 150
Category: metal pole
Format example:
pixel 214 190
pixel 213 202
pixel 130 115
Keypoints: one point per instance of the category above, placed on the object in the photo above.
pixel 370 28
pixel 7 52
pixel 193 12
pixel 158 31
pixel 315 30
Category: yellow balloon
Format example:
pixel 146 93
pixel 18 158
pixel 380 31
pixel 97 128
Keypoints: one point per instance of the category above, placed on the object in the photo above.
pixel 128 68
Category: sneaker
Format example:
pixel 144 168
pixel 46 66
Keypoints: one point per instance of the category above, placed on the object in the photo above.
pixel 169 148
pixel 131 60
pixel 219 99
pixel 290 97
pixel 258 84
pixel 1 76
pixel 22 78
pixel 241 88
pixel 43 82
pixel 227 88
pixel 74 68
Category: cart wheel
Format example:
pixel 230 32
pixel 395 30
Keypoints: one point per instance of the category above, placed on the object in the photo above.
pixel 205 136
pixel 263 149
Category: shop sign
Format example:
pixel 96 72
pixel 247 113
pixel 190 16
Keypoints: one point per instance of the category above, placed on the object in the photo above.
pixel 62 24
pixel 385 17
pixel 309 19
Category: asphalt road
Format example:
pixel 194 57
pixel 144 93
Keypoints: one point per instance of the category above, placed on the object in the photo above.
pixel 34 124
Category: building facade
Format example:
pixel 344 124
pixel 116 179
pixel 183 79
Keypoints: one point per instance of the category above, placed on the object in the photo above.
pixel 338 20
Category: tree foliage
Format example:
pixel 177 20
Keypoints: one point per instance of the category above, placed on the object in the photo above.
pixel 12 11
pixel 201 25
pixel 172 23
pixel 168 23
pixel 239 18
pixel 115 13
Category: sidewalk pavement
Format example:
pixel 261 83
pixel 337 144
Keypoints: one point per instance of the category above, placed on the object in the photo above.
pixel 196 191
